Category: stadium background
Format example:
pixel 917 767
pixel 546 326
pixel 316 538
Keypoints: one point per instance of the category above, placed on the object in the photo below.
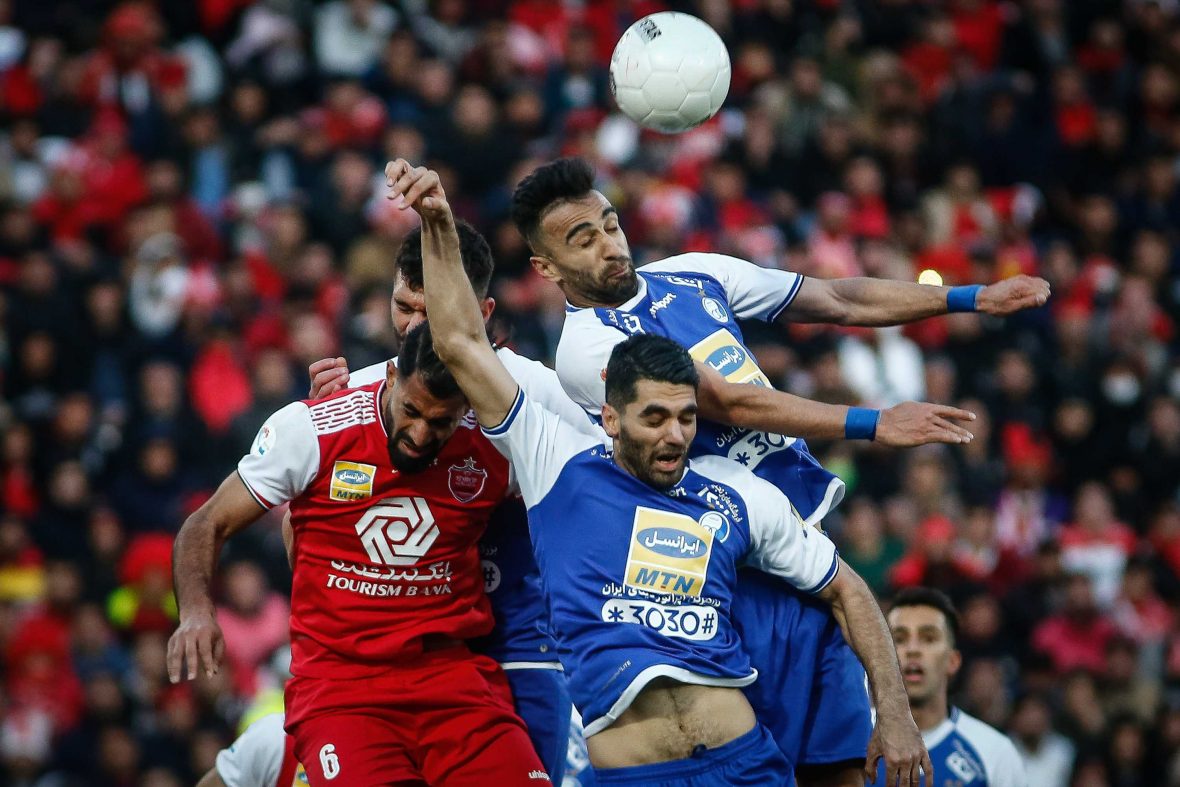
pixel 191 211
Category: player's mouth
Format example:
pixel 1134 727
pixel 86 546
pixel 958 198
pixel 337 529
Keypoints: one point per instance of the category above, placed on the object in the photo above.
pixel 913 673
pixel 668 461
pixel 621 273
pixel 409 449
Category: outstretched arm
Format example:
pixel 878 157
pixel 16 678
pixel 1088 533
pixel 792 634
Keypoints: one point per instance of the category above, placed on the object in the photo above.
pixel 456 322
pixel 767 410
pixel 895 736
pixel 876 302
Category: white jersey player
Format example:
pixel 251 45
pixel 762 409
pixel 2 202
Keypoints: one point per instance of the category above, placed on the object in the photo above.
pixel 262 756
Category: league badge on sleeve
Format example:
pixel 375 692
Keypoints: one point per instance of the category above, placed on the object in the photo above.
pixel 466 481
pixel 264 441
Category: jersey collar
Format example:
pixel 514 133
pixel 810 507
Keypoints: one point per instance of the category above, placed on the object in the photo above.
pixel 939 733
pixel 377 405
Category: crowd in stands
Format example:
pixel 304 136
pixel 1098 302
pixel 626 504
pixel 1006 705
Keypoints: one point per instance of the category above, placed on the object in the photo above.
pixel 192 211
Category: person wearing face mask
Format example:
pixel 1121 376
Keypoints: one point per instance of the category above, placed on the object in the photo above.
pixel 964 750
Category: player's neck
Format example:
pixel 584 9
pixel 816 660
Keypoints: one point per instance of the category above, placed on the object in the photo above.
pixel 930 714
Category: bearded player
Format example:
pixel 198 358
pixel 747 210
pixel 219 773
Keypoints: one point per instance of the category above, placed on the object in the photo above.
pixel 390 490
pixel 810 694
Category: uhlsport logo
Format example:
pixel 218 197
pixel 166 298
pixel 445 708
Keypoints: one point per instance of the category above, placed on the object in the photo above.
pixel 398 531
pixel 352 481
pixel 669 553
pixel 466 481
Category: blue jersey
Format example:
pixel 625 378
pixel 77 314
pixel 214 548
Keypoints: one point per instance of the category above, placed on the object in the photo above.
pixel 639 581
pixel 968 753
pixel 696 300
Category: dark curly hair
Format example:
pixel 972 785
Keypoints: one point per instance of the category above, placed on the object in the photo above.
pixel 566 178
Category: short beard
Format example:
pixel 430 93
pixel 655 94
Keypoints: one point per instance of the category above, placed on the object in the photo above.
pixel 630 456
pixel 611 292
pixel 404 463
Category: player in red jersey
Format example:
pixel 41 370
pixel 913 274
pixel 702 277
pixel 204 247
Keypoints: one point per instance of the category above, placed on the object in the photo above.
pixel 390 487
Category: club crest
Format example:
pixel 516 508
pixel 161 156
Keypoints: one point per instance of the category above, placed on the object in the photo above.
pixel 466 481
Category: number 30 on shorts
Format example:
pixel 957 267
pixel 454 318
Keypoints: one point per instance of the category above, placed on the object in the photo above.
pixel 329 762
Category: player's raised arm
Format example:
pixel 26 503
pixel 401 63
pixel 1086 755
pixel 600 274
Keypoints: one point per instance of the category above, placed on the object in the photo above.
pixel 877 302
pixel 765 409
pixel 457 324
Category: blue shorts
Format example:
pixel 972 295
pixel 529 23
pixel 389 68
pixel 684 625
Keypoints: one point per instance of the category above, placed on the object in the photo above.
pixel 811 692
pixel 752 759
pixel 542 700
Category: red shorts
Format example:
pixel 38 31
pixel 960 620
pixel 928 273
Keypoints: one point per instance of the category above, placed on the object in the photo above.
pixel 445 720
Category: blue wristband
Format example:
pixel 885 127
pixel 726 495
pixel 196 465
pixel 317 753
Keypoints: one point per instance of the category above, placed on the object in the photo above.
pixel 962 299
pixel 861 423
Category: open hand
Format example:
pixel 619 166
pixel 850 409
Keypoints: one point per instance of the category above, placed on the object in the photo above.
pixel 898 741
pixel 917 423
pixel 1012 295
pixel 196 642
pixel 418 188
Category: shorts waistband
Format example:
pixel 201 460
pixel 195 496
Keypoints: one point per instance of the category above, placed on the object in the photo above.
pixel 701 760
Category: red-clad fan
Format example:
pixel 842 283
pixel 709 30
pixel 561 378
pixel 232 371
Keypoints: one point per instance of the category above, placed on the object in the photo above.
pixel 390 487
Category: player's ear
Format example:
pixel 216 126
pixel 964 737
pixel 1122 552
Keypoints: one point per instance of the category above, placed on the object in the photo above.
pixel 953 664
pixel 486 307
pixel 544 266
pixel 610 421
pixel 390 373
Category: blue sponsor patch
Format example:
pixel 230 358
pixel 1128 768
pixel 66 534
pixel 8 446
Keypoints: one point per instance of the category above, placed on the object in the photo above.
pixel 355 477
pixel 671 542
pixel 727 360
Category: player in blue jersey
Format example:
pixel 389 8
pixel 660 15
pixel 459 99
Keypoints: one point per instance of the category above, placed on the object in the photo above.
pixel 965 751
pixel 639 550
pixel 521 641
pixel 696 300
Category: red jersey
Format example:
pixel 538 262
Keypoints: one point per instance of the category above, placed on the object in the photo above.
pixel 381 558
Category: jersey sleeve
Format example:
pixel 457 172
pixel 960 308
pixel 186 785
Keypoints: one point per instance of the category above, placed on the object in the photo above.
pixel 255 759
pixel 284 459
pixel 538 444
pixel 542 386
pixel 754 292
pixel 780 544
pixel 582 354
pixel 370 374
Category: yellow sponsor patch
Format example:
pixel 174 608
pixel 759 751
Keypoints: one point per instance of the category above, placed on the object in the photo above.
pixel 724 353
pixel 669 553
pixel 352 481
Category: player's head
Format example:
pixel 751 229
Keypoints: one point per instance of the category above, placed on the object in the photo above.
pixel 408 305
pixel 424 405
pixel 574 234
pixel 925 630
pixel 651 407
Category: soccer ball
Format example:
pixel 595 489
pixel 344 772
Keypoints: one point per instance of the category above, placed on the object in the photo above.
pixel 669 72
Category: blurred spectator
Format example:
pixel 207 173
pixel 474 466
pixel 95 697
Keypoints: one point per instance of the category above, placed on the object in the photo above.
pixel 253 620
pixel 1048 756
pixel 1096 544
pixel 350 35
pixel 1077 636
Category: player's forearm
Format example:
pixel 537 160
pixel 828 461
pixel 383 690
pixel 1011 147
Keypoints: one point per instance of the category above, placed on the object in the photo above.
pixel 767 410
pixel 194 559
pixel 867 633
pixel 866 302
pixel 455 320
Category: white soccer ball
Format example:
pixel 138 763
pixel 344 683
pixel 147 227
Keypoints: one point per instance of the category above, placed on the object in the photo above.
pixel 669 72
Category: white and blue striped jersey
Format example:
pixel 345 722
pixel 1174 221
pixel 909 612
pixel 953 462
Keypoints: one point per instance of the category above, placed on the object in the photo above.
pixel 968 753
pixel 696 300
pixel 640 582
